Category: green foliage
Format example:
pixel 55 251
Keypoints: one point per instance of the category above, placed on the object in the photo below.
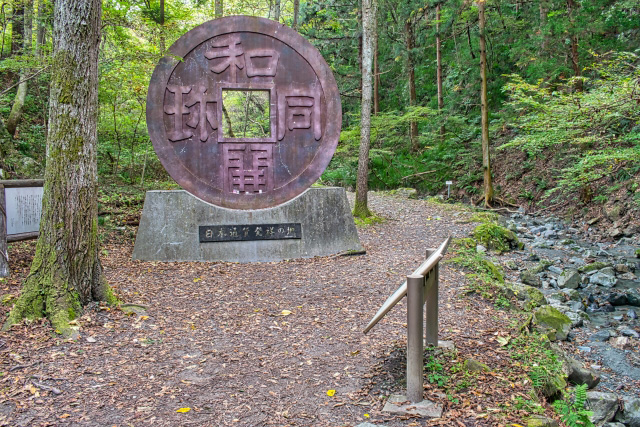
pixel 572 408
pixel 542 365
pixel 597 128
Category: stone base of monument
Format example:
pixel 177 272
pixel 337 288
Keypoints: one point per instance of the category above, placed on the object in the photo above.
pixel 176 226
pixel 398 404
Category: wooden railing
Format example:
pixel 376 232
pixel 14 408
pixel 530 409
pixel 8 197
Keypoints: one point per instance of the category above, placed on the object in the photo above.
pixel 420 288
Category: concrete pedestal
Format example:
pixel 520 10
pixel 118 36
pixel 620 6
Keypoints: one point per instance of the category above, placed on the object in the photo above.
pixel 169 228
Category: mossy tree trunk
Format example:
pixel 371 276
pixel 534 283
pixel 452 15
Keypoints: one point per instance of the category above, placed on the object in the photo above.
pixel 217 9
pixel 361 208
pixel 411 79
pixel 66 272
pixel 18 103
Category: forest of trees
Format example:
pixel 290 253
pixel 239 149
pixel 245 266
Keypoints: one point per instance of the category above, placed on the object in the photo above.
pixel 561 78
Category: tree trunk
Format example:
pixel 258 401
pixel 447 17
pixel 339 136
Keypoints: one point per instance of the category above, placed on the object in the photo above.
pixel 484 106
pixel 571 6
pixel 296 13
pixel 218 9
pixel 66 272
pixel 40 27
pixel 163 46
pixel 361 208
pixel 18 103
pixel 376 77
pixel 439 67
pixel 408 32
pixel 17 28
pixel 276 11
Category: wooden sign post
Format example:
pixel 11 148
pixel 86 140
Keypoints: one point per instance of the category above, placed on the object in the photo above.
pixel 20 211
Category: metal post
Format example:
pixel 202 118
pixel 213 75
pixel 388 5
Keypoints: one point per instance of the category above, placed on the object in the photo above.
pixel 431 300
pixel 415 345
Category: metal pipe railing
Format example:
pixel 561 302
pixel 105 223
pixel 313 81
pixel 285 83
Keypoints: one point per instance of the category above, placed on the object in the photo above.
pixel 421 288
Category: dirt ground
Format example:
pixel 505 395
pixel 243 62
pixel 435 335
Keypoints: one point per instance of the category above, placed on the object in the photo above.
pixel 255 344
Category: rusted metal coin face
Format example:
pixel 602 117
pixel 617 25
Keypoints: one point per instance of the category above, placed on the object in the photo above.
pixel 244 113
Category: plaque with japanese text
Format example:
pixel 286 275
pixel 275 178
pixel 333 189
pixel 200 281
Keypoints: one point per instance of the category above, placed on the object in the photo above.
pixel 244 113
pixel 232 233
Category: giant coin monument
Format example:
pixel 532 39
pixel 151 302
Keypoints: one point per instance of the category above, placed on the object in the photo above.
pixel 245 115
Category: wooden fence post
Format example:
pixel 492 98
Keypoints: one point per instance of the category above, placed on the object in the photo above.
pixel 4 254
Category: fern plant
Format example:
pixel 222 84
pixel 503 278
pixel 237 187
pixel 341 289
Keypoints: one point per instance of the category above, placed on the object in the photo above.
pixel 572 408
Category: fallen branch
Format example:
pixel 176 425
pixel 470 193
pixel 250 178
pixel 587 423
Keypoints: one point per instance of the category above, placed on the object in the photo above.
pixel 26 79
pixel 45 387
pixel 418 174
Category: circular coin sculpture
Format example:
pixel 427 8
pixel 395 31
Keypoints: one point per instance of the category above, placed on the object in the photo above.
pixel 244 113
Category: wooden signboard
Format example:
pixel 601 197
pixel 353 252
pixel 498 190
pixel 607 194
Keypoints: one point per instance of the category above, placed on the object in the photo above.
pixel 20 211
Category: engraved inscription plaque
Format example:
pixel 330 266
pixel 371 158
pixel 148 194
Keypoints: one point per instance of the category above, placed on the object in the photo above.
pixel 24 208
pixel 192 125
pixel 231 233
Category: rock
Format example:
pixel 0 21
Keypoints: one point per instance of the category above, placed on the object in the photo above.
pixel 601 336
pixel 496 238
pixel 511 265
pixel 614 212
pixel 553 321
pixel 615 233
pixel 531 296
pixel 569 278
pixel 576 306
pixel 399 405
pixel 616 298
pixel 633 298
pixel 370 425
pixel 133 309
pixel 621 268
pixel 627 276
pixel 472 365
pixel 603 405
pixel 594 266
pixel 629 414
pixel 540 421
pixel 91 339
pixel 578 374
pixel 621 343
pixel 555 270
pixel 576 319
pixel 572 294
pixel 605 277
pixel 629 333
pixel 409 193
pixel 631 314
pixel 530 278
pixel 481 249
pixel 613 425
pixel 630 231
pixel 606 308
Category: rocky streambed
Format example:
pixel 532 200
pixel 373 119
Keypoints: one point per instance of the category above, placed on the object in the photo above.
pixel 589 293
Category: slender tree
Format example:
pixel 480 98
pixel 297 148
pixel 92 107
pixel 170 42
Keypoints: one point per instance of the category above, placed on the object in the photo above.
pixel 17 27
pixel 18 102
pixel 411 81
pixel 439 65
pixel 66 272
pixel 573 53
pixel 484 107
pixel 218 9
pixel 296 14
pixel 276 11
pixel 361 208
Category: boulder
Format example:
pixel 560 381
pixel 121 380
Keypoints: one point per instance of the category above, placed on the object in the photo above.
pixel 594 266
pixel 621 343
pixel 578 374
pixel 605 277
pixel 601 336
pixel 530 278
pixel 616 299
pixel 603 405
pixel 629 414
pixel 409 193
pixel 553 322
pixel 569 278
pixel 633 297
pixel 531 297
